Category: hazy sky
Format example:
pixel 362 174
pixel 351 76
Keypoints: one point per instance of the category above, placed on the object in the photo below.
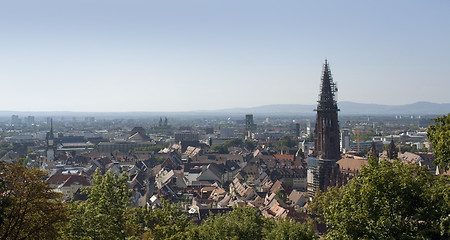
pixel 92 55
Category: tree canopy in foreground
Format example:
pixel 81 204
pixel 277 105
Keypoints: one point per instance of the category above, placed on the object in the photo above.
pixel 104 215
pixel 439 135
pixel 247 223
pixel 390 200
pixel 30 209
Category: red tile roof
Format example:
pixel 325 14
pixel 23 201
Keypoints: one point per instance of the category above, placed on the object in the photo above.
pixel 76 179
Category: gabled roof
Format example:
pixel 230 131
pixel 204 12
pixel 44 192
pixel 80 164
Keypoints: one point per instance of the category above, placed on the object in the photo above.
pixel 203 214
pixel 102 162
pixel 168 163
pixel 138 130
pixel 351 164
pixel 76 179
pixel 409 157
pixel 231 165
pixel 138 137
pixel 284 157
pixel 192 151
pixel 189 166
pixel 58 179
pixel 9 156
pixel 216 169
pixel 251 170
pixel 217 192
pixel 218 158
pixel 277 186
pixel 225 201
pixel 280 173
pixel 295 196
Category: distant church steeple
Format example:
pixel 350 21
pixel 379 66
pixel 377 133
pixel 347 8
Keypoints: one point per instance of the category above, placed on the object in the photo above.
pixel 373 151
pixel 392 151
pixel 326 133
pixel 50 147
pixel 51 135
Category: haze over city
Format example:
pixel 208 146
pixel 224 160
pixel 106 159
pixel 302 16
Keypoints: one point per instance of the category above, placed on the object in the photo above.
pixel 115 56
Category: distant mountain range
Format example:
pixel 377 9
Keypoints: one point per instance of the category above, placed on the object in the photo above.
pixel 346 108
pixel 350 108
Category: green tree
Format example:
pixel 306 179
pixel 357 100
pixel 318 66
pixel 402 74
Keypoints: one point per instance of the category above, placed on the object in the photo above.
pixel 439 135
pixel 285 143
pixel 222 149
pixel 250 145
pixel 4 201
pixel 390 200
pixel 241 223
pixel 286 229
pixel 5 148
pixel 104 215
pixel 247 223
pixel 168 222
pixel 234 142
pixel 31 209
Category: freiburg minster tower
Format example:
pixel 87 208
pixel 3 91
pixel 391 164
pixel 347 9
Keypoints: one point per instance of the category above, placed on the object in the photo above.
pixel 326 133
pixel 322 168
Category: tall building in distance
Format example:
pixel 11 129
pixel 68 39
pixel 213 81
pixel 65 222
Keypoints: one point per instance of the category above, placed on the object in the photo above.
pixel 345 140
pixel 15 119
pixel 322 168
pixel 250 126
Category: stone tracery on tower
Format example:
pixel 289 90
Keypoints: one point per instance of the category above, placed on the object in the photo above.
pixel 322 169
pixel 326 133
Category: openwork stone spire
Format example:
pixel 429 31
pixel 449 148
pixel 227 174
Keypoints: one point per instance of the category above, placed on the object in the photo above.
pixel 328 88
pixel 327 126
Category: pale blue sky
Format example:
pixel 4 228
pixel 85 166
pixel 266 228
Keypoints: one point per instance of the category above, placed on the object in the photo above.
pixel 88 55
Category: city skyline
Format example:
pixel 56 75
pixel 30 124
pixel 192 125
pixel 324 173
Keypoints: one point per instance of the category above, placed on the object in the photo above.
pixel 117 56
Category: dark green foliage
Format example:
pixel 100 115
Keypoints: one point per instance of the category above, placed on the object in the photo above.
pixel 439 136
pixel 289 230
pixel 363 135
pixel 234 142
pixel 250 145
pixel 390 200
pixel 285 143
pixel 222 149
pixel 373 160
pixel 241 223
pixel 282 196
pixel 167 222
pixel 30 208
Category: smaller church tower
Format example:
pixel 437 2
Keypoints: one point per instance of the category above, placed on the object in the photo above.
pixel 392 151
pixel 373 152
pixel 50 146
